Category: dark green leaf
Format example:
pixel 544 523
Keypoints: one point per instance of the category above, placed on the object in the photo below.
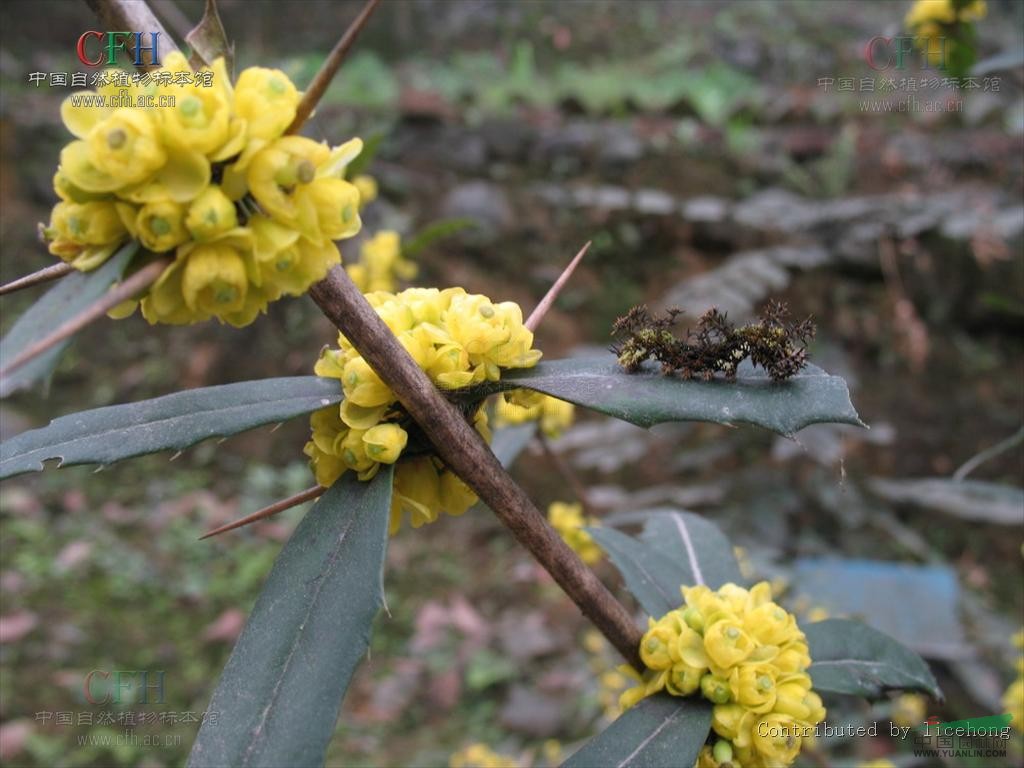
pixel 704 552
pixel 660 732
pixel 208 39
pixel 173 422
pixel 72 294
pixel 647 398
pixel 278 697
pixel 676 549
pixel 851 657
pixel 651 576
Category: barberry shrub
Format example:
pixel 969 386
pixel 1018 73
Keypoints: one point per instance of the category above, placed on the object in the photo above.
pixel 234 212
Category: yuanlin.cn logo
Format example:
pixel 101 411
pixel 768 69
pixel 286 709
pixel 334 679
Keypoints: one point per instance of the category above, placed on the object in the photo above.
pixel 93 44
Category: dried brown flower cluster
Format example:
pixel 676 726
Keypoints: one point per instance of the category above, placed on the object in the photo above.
pixel 716 345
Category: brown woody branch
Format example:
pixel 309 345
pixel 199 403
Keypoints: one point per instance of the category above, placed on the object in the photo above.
pixel 465 452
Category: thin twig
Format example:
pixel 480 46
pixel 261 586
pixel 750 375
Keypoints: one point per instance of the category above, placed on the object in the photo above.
pixel 549 298
pixel 989 453
pixel 465 452
pixel 278 506
pixel 44 275
pixel 122 292
pixel 329 68
pixel 568 474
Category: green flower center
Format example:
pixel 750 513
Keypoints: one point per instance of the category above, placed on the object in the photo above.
pixel 764 683
pixel 159 226
pixel 224 293
pixel 305 172
pixel 487 311
pixel 275 86
pixel 732 633
pixel 191 107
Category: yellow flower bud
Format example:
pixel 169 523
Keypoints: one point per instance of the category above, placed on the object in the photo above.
pixel 715 689
pixel 160 226
pixel 683 679
pixel 385 442
pixel 211 214
pixel 367 187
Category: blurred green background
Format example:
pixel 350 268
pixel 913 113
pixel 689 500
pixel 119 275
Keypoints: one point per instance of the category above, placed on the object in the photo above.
pixel 712 153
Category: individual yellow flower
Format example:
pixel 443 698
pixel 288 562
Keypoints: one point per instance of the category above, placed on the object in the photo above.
pixel 288 262
pixel 381 265
pixel 909 709
pixel 266 99
pixel 215 280
pixel 930 12
pixel 84 234
pixel 569 521
pixel 727 644
pixel 201 118
pixel 776 738
pixel 211 214
pixel 553 415
pixel 126 146
pixel 367 186
pixel 385 442
pixel 161 226
pixel 753 686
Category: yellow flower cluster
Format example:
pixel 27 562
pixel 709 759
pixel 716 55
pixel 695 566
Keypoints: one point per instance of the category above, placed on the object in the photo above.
pixel 480 756
pixel 553 415
pixel 934 12
pixel 931 20
pixel 1013 699
pixel 569 521
pixel 459 340
pixel 381 264
pixel 746 655
pixel 202 171
pixel 611 681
